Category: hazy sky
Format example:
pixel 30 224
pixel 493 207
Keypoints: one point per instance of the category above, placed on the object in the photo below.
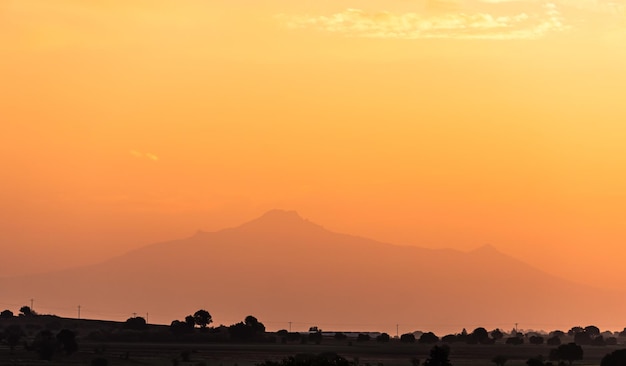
pixel 431 123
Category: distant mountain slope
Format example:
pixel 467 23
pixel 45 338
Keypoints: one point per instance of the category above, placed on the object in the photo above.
pixel 283 268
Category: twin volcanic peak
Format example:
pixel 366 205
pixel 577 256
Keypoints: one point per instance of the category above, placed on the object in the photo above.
pixel 281 267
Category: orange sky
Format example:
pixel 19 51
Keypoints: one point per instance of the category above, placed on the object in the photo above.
pixel 432 123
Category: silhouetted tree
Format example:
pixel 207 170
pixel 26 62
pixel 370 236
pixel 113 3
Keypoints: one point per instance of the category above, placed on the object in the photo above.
pixel 340 336
pixel 592 330
pixel 554 341
pixel 535 361
pixel 316 337
pixel 384 337
pixel 255 324
pixel 363 337
pixel 177 327
pixel 575 330
pixel 567 352
pixel 27 311
pixel 611 341
pixel 557 333
pixel 615 358
pixel 136 323
pixel 428 338
pixel 407 338
pixel 323 359
pixel 439 356
pixel 202 318
pixel 450 338
pixel 499 360
pixel 598 341
pixel 481 334
pixel 247 330
pixel 6 314
pixel 582 338
pixel 67 338
pixel 190 320
pixel 497 334
pixel 45 345
pixel 515 340
pixel 13 334
pixel 536 340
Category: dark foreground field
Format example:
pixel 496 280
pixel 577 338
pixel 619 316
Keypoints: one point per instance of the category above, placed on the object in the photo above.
pixel 372 353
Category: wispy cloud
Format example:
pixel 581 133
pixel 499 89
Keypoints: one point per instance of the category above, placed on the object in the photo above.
pixel 458 25
pixel 142 155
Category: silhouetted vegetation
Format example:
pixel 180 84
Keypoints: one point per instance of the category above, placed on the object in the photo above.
pixel 136 323
pixel 202 318
pixel 67 338
pixel 384 337
pixel 567 352
pixel 248 330
pixel 407 338
pixel 439 356
pixel 27 311
pixel 323 359
pixel 499 360
pixel 428 338
pixel 615 358
pixel 553 341
pixel 6 314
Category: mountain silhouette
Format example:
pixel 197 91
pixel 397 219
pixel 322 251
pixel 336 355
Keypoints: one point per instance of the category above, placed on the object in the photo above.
pixel 281 267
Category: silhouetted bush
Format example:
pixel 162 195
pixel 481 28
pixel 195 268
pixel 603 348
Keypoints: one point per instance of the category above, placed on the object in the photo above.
pixel 582 338
pixel 567 352
pixel 6 314
pixel 27 311
pixel 535 361
pixel 45 345
pixel 384 337
pixel 554 341
pixel 499 360
pixel 615 358
pixel 515 340
pixel 497 334
pixel 13 333
pixel 323 359
pixel 340 336
pixel 439 356
pixel 316 337
pixel 363 337
pixel 592 330
pixel 407 338
pixel 611 341
pixel 450 338
pixel 99 361
pixel 428 338
pixel 598 341
pixel 136 323
pixel 67 338
pixel 536 340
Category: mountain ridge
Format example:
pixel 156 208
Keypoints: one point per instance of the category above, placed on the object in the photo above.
pixel 282 266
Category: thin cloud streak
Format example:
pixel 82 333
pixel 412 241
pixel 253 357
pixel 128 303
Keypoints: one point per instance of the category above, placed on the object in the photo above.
pixel 361 23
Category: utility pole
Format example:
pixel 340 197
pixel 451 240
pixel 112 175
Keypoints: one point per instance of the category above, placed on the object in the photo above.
pixel 289 327
pixel 515 328
pixel 31 304
pixel 78 312
pixel 134 315
pixel 397 333
pixel 146 317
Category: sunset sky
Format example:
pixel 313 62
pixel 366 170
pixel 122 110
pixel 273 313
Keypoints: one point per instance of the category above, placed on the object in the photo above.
pixel 430 123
